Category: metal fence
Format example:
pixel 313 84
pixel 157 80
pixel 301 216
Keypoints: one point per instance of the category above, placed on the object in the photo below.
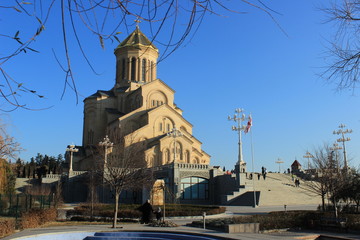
pixel 14 205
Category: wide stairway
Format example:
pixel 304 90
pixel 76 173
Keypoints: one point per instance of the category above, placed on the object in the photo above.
pixel 278 189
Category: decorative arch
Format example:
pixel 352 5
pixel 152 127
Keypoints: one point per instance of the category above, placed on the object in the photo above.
pixel 156 98
pixel 162 125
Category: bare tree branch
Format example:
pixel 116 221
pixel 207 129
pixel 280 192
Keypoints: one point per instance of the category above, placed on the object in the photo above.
pixel 343 54
pixel 9 148
pixel 170 23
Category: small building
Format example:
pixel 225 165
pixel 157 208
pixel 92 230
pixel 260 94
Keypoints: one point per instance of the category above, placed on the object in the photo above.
pixel 296 167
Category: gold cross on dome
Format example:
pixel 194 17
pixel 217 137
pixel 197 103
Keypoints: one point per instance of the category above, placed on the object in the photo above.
pixel 137 20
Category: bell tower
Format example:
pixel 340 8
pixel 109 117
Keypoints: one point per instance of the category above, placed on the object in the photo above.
pixel 136 59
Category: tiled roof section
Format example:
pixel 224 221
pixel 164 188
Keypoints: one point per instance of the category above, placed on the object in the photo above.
pixel 136 38
pixel 121 89
pixel 296 163
pixel 101 93
pixel 114 111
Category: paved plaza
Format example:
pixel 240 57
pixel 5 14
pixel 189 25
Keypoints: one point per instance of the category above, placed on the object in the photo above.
pixel 182 221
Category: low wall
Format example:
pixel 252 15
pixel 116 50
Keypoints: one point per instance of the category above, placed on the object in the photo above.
pixel 242 228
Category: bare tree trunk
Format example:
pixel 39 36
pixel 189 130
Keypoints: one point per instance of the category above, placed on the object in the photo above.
pixel 323 202
pixel 117 195
pixel 335 208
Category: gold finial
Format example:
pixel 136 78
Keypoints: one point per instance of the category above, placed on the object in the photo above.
pixel 137 22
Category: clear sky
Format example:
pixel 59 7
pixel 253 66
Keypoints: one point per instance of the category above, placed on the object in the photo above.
pixel 240 61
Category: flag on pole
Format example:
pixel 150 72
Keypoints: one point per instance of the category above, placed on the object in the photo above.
pixel 248 126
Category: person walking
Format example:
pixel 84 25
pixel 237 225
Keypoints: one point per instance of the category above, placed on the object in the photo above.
pixel 158 214
pixel 146 210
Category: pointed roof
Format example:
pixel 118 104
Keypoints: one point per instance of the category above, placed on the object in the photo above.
pixel 137 38
pixel 296 164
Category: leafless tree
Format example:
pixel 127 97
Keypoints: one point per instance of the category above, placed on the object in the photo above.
pixel 93 181
pixel 9 148
pixel 169 22
pixel 125 167
pixel 343 53
pixel 329 176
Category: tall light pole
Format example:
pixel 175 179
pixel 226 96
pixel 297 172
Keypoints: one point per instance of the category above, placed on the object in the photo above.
pixel 238 117
pixel 174 133
pixel 279 162
pixel 106 144
pixel 71 149
pixel 342 131
pixel 334 148
pixel 308 155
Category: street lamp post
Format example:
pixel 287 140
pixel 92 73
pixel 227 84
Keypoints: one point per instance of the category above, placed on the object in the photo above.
pixel 308 156
pixel 106 144
pixel 279 162
pixel 342 131
pixel 239 117
pixel 174 133
pixel 71 149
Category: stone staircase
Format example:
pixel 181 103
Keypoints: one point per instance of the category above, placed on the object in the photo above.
pixel 276 189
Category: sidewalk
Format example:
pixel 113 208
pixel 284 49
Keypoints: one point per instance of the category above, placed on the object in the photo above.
pixel 51 232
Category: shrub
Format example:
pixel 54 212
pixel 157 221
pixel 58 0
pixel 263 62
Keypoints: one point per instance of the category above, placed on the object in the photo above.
pixel 7 227
pixel 36 217
pixel 130 210
pixel 353 221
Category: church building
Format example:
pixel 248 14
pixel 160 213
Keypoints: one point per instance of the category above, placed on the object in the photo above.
pixel 143 105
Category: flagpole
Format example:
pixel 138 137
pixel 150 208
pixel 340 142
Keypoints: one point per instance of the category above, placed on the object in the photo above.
pixel 252 163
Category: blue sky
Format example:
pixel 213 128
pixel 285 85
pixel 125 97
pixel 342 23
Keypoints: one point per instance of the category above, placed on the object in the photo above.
pixel 240 61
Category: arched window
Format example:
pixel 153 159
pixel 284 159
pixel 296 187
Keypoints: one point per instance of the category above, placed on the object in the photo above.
pixel 143 70
pixel 194 188
pixel 133 69
pixel 187 156
pixel 178 151
pixel 123 70
pixel 151 71
pixel 160 127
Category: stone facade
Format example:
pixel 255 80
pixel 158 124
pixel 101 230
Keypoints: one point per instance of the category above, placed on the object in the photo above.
pixel 141 105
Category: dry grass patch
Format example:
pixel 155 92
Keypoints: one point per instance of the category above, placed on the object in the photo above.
pixel 7 226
